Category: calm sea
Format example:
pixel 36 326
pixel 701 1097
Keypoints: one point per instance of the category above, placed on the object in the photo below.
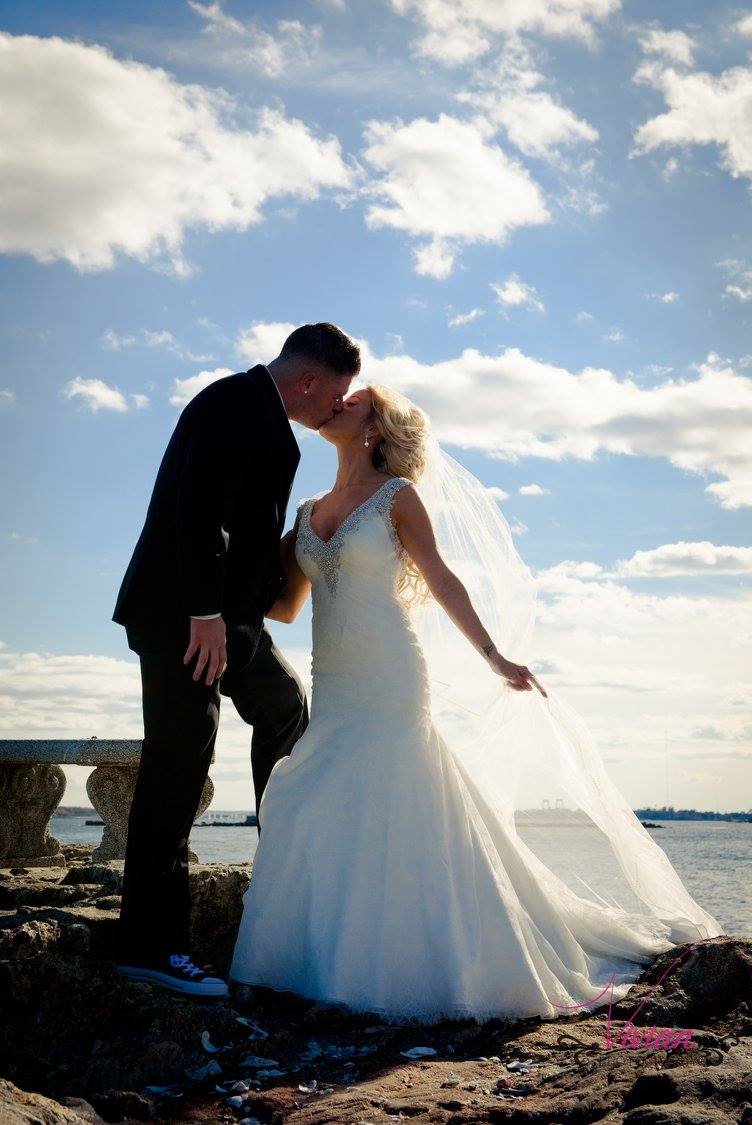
pixel 711 858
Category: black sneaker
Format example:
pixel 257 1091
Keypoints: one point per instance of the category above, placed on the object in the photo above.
pixel 178 973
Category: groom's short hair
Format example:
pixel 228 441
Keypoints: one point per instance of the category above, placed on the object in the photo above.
pixel 325 344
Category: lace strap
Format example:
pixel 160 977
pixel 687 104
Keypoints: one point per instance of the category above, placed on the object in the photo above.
pixel 383 501
pixel 384 498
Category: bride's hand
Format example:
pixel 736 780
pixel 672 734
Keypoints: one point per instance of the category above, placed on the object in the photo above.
pixel 518 676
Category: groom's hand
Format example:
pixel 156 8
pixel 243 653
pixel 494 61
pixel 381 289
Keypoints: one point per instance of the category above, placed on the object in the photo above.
pixel 208 639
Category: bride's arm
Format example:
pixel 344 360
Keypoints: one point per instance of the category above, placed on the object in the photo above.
pixel 415 530
pixel 294 593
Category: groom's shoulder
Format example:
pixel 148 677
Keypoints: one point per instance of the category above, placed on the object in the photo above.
pixel 226 390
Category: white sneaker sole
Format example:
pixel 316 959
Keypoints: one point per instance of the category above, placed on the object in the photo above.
pixel 210 986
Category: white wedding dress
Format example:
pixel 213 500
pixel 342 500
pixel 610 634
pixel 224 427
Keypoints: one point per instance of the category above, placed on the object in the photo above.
pixel 382 878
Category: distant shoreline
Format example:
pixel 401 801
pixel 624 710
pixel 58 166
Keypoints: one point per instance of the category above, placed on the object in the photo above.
pixel 641 814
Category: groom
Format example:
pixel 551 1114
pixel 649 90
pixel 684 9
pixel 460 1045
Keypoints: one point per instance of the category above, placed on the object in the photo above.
pixel 204 571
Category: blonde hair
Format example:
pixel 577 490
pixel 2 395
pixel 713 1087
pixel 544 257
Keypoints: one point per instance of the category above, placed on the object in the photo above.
pixel 401 450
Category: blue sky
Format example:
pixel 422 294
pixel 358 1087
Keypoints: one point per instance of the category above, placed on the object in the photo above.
pixel 536 224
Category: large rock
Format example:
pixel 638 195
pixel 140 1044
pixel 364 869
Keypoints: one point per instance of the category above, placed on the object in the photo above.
pixel 692 984
pixel 49 901
pixel 96 1030
pixel 129 1049
pixel 33 937
pixel 61 998
pixel 18 1107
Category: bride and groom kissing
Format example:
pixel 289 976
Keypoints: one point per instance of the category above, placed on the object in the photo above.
pixel 382 878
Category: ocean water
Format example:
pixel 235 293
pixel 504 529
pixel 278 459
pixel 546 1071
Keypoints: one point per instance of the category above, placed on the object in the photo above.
pixel 712 858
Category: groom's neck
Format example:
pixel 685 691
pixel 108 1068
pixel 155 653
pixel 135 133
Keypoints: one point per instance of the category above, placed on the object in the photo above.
pixel 281 383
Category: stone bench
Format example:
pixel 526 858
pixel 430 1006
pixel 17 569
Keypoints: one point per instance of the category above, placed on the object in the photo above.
pixel 32 784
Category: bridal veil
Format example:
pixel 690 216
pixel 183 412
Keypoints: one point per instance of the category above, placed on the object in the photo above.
pixel 532 761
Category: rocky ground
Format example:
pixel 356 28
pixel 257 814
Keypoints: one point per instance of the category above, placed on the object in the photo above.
pixel 80 1044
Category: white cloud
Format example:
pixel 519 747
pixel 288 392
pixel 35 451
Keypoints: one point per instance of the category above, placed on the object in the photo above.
pixel 676 559
pixel 497 492
pixel 514 292
pixel 140 401
pixel 741 293
pixel 648 672
pixel 583 316
pixel 183 390
pixel 615 335
pixel 534 122
pixel 52 696
pixel 676 45
pixel 669 298
pixel 459 31
pixel 533 490
pixel 216 18
pixel 18 537
pixel 702 109
pixel 254 47
pixel 435 259
pixel 511 405
pixel 507 94
pixel 741 286
pixel 262 340
pixel 445 181
pixel 110 339
pixel 670 168
pixel 461 319
pixel 7 398
pixel 582 197
pixel 103 156
pixel 162 338
pixel 95 395
pixel 703 778
pixel 744 25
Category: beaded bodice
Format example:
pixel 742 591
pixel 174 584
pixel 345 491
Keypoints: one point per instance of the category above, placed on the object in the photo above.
pixel 327 554
pixel 360 626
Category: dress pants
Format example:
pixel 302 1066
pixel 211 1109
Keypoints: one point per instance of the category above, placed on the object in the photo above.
pixel 180 728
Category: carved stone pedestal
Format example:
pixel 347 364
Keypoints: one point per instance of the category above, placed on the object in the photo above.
pixel 29 795
pixel 110 790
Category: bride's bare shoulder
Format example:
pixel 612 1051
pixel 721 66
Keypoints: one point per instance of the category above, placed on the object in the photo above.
pixel 407 504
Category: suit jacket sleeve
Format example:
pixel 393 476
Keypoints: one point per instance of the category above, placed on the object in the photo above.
pixel 208 475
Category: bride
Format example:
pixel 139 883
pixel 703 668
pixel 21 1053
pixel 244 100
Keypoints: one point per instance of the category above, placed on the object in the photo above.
pixel 409 862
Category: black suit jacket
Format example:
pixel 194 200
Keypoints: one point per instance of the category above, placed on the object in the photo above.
pixel 210 542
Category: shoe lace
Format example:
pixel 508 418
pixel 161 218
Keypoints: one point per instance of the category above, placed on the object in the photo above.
pixel 183 962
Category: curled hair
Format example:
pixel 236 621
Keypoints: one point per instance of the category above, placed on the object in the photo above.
pixel 401 450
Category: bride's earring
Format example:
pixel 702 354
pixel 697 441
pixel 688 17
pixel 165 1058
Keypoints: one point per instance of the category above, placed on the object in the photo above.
pixel 366 442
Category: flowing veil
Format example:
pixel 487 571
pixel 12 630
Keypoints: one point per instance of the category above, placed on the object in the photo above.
pixel 530 762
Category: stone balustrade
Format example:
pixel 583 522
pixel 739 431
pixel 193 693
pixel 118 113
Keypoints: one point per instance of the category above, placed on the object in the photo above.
pixel 32 784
